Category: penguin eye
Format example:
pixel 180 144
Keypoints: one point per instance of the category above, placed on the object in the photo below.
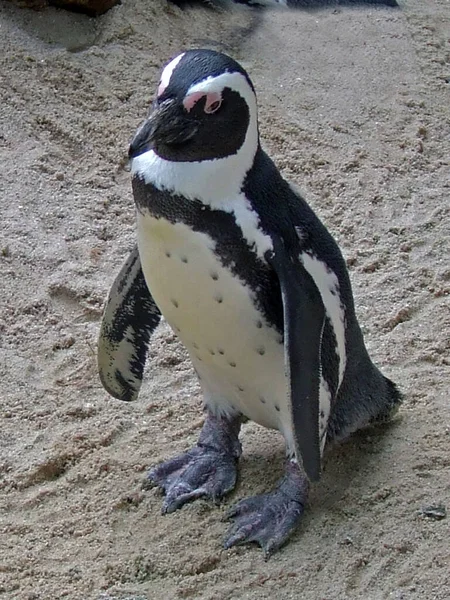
pixel 213 107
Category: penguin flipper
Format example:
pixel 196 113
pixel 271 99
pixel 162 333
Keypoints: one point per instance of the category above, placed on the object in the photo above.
pixel 129 319
pixel 304 316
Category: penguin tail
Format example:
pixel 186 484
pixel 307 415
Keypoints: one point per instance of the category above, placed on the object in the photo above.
pixel 366 398
pixel 393 400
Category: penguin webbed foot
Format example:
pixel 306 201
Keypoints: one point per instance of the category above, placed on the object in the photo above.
pixel 209 470
pixel 269 519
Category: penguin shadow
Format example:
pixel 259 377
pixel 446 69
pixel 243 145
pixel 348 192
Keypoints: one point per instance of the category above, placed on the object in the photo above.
pixel 350 468
pixel 346 463
pixel 350 464
pixel 291 4
pixel 319 4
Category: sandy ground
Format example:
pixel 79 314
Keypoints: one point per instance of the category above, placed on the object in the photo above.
pixel 355 109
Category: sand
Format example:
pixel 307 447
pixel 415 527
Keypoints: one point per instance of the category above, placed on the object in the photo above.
pixel 355 109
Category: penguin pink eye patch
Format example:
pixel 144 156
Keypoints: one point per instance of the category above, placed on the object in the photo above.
pixel 212 104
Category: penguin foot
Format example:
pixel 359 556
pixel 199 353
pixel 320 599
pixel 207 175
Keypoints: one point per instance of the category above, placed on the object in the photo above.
pixel 209 470
pixel 269 519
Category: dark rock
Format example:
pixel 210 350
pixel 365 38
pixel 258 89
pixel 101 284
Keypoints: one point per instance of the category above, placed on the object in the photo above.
pixel 434 511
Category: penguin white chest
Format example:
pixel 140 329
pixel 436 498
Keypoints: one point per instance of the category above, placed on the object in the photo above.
pixel 238 356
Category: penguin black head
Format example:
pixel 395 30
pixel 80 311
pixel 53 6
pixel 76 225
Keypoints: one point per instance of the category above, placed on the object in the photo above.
pixel 205 109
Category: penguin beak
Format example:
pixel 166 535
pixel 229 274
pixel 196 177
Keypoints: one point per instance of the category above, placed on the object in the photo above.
pixel 167 125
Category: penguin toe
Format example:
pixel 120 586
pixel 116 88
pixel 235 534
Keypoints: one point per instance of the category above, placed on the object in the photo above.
pixel 198 473
pixel 179 495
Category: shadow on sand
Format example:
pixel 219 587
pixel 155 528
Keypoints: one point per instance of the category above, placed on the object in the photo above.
pixel 295 4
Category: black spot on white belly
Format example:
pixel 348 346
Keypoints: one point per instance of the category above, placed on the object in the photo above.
pixel 230 246
pixel 231 373
pixel 277 408
pixel 168 254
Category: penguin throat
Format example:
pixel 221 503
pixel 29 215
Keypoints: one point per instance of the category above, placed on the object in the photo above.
pixel 213 181
pixel 191 151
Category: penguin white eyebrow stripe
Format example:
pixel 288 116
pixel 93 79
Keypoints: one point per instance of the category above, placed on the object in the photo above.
pixel 167 74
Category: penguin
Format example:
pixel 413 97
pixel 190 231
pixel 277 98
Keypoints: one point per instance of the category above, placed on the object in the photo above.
pixel 254 286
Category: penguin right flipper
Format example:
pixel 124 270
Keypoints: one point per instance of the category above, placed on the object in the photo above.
pixel 129 319
pixel 304 317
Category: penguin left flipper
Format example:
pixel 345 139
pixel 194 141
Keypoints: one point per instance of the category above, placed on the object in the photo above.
pixel 129 319
pixel 304 317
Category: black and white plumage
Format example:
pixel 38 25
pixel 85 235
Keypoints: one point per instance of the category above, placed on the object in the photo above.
pixel 254 286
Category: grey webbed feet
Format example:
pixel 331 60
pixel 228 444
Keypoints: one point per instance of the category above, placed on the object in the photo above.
pixel 201 472
pixel 209 470
pixel 269 519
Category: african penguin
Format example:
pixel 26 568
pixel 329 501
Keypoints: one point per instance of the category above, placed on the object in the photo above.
pixel 253 285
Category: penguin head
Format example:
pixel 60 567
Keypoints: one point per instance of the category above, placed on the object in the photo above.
pixel 204 110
